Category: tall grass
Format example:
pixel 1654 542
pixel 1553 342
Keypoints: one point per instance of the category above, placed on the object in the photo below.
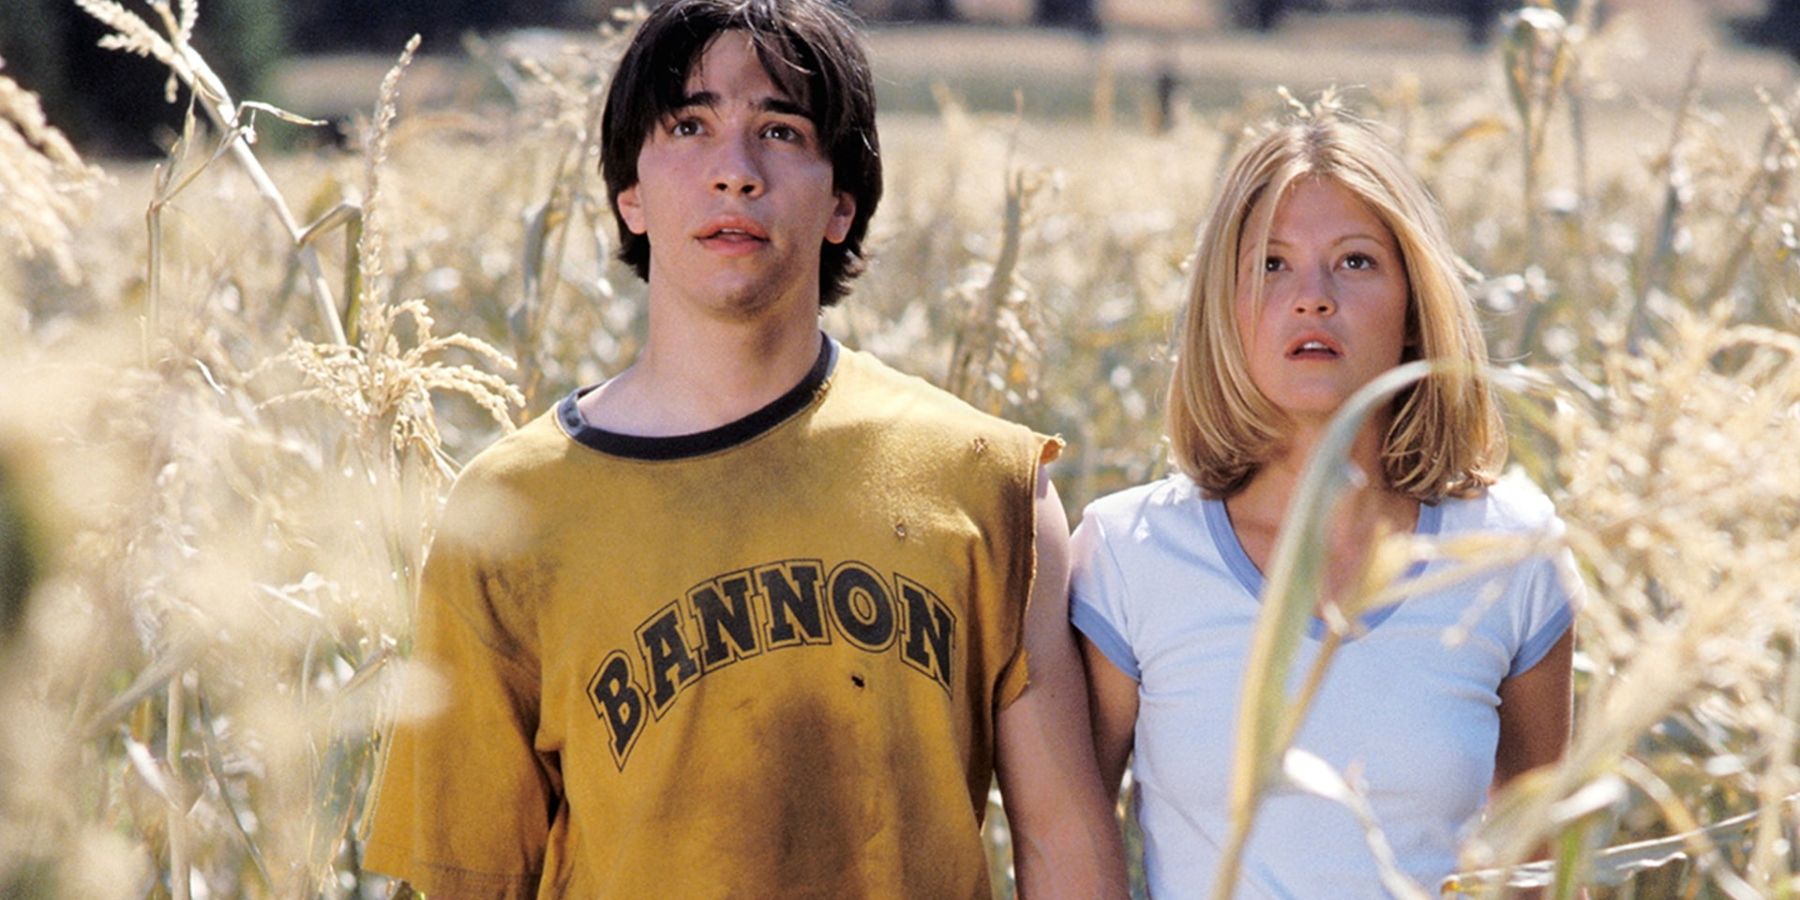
pixel 236 386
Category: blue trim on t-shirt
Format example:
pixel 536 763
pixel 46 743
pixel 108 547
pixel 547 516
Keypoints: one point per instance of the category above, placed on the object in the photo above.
pixel 1108 641
pixel 1218 524
pixel 1534 648
pixel 1231 550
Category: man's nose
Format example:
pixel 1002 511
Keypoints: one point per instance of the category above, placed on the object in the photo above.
pixel 735 169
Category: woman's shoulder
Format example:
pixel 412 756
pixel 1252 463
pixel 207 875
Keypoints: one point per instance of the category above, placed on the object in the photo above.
pixel 1120 510
pixel 1512 504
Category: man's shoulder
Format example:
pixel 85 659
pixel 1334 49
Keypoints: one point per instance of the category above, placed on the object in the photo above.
pixel 534 446
pixel 874 388
pixel 511 477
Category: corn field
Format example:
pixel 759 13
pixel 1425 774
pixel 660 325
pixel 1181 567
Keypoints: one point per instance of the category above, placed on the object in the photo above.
pixel 237 383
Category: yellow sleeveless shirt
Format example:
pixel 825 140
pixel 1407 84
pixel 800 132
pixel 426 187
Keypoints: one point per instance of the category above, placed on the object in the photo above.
pixel 764 660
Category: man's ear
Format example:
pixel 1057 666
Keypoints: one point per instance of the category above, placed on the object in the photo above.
pixel 631 210
pixel 842 216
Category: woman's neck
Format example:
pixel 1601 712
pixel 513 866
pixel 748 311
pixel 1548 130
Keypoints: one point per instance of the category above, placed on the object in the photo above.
pixel 1272 488
pixel 1362 513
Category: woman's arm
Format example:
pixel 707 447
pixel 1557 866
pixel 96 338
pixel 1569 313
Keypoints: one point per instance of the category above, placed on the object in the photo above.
pixel 1534 723
pixel 1535 712
pixel 1113 700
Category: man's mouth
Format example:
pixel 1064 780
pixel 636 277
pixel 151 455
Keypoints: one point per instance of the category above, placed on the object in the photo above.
pixel 733 232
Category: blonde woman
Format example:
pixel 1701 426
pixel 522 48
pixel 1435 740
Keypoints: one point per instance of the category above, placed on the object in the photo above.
pixel 1325 263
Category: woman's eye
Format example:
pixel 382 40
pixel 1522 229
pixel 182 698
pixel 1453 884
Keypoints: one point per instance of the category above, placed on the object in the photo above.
pixel 685 128
pixel 782 132
pixel 1272 264
pixel 1360 261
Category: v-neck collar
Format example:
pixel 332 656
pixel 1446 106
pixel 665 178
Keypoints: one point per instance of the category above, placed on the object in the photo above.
pixel 1231 550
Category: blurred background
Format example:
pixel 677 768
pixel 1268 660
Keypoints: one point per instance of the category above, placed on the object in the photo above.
pixel 323 58
pixel 235 380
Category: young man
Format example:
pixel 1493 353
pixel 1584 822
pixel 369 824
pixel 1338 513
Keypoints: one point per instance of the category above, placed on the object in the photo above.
pixel 750 619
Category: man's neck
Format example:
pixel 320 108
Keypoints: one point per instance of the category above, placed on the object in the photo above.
pixel 696 373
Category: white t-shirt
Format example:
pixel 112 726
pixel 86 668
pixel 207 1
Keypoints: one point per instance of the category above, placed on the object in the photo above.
pixel 1163 588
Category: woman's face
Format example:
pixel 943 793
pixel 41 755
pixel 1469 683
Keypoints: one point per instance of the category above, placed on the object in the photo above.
pixel 1332 313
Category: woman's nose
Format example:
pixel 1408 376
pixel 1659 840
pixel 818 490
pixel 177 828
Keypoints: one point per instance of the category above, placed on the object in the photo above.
pixel 1313 293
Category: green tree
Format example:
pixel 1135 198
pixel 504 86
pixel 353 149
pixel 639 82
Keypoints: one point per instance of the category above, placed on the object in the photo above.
pixel 113 102
pixel 383 27
pixel 18 557
pixel 1079 14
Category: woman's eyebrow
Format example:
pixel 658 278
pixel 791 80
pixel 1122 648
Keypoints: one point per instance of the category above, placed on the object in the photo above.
pixel 1274 241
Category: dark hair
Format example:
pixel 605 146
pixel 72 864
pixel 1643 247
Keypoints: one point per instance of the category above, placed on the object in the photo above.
pixel 810 49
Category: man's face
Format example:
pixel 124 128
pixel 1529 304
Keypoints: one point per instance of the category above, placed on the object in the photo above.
pixel 735 192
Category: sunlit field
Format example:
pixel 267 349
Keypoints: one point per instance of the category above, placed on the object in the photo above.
pixel 235 385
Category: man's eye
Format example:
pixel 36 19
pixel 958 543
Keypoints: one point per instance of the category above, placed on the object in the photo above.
pixel 781 132
pixel 684 128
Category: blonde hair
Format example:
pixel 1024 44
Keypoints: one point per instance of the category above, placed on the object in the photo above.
pixel 1445 436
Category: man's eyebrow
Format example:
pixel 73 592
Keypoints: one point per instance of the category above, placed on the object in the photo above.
pixel 775 104
pixel 784 106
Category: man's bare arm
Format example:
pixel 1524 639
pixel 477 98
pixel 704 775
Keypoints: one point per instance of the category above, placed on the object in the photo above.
pixel 1066 840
